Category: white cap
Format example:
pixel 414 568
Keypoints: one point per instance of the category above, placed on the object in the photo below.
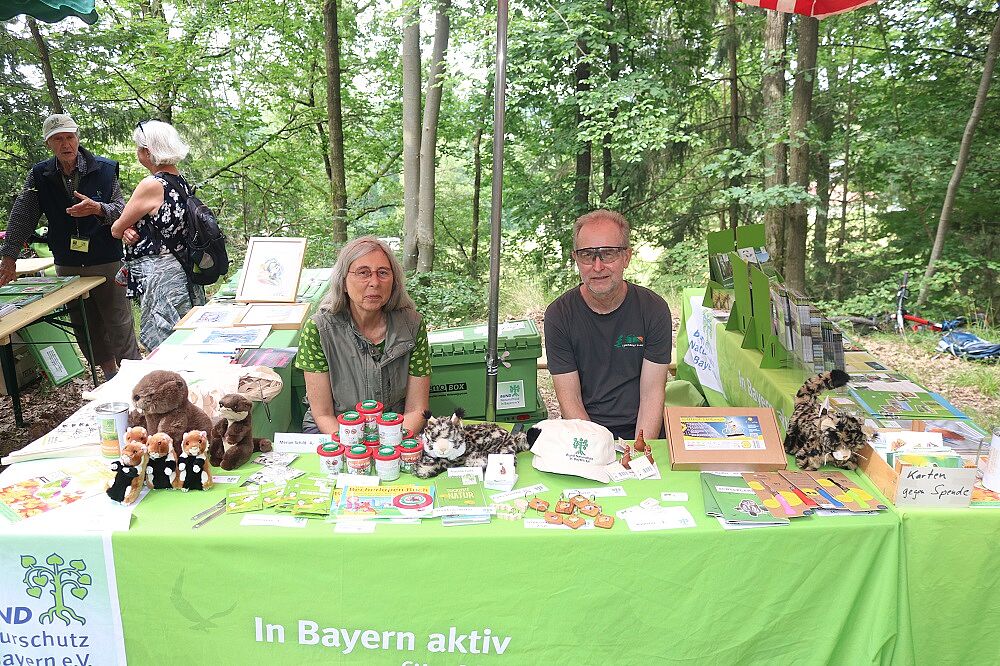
pixel 575 447
pixel 56 123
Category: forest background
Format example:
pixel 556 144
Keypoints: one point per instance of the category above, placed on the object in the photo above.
pixel 333 119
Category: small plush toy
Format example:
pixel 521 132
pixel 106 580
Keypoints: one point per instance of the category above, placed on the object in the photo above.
pixel 232 436
pixel 193 471
pixel 449 443
pixel 129 469
pixel 818 438
pixel 162 396
pixel 162 466
pixel 135 434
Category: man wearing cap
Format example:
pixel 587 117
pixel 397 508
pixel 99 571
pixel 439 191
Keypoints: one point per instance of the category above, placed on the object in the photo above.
pixel 608 341
pixel 79 194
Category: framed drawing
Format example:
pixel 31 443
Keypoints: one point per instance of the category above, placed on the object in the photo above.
pixel 211 315
pixel 279 317
pixel 271 270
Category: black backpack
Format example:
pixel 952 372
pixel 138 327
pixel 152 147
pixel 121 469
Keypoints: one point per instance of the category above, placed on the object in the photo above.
pixel 204 256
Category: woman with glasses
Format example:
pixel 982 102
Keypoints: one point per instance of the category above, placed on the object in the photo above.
pixel 367 341
pixel 152 226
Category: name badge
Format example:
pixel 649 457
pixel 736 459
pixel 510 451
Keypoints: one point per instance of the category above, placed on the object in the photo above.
pixel 78 244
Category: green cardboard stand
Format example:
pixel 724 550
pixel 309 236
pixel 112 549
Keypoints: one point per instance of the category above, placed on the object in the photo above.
pixel 741 316
pixel 53 350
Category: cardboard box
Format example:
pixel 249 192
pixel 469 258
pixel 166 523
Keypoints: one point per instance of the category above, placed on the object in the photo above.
pixel 25 367
pixel 946 490
pixel 724 438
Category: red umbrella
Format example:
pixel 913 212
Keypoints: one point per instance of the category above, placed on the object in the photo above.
pixel 817 8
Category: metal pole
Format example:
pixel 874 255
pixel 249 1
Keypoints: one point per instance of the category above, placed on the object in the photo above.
pixel 496 208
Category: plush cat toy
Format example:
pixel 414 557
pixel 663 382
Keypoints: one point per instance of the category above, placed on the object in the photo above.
pixel 193 470
pixel 130 470
pixel 232 436
pixel 162 466
pixel 817 438
pixel 162 397
pixel 448 443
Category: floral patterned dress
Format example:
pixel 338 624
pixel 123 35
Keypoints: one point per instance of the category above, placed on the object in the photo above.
pixel 155 277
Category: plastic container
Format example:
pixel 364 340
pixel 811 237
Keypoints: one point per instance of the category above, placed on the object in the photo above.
pixel 390 428
pixel 359 460
pixel 372 442
pixel 387 463
pixel 352 426
pixel 331 457
pixel 458 378
pixel 410 452
pixel 370 410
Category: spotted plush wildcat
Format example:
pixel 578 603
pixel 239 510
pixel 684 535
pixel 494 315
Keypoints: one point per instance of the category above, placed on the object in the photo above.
pixel 817 439
pixel 449 443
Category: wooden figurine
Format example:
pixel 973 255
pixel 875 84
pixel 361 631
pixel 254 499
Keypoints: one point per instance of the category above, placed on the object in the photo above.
pixel 565 507
pixel 640 445
pixel 604 521
pixel 626 457
pixel 539 505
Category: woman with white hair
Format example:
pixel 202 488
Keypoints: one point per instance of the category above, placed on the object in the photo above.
pixel 152 226
pixel 366 342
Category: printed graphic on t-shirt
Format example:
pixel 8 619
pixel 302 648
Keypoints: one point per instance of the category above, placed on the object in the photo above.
pixel 630 340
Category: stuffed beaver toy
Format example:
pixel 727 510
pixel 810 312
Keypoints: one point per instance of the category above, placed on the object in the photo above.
pixel 162 396
pixel 130 470
pixel 193 471
pixel 162 465
pixel 232 436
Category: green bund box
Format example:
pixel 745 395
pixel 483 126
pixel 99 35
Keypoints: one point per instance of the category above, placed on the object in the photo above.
pixel 458 369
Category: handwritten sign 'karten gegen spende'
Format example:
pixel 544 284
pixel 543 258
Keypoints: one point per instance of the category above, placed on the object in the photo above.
pixel 935 486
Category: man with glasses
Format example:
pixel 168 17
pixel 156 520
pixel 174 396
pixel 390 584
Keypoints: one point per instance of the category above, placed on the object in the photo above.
pixel 608 341
pixel 79 194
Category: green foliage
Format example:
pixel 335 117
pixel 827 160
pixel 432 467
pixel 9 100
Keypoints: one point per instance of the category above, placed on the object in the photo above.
pixel 447 299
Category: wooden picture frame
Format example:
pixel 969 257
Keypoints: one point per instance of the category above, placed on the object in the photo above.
pixel 280 317
pixel 271 270
pixel 211 315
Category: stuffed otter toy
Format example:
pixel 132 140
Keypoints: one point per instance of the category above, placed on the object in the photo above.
pixel 232 436
pixel 162 397
pixel 130 470
pixel 162 465
pixel 193 471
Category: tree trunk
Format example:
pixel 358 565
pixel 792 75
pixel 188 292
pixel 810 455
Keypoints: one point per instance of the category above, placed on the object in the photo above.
pixel 821 169
pixel 581 182
pixel 477 179
pixel 428 138
pixel 798 158
pixel 320 131
pixel 338 178
pixel 410 57
pixel 963 160
pixel 734 106
pixel 613 59
pixel 775 34
pixel 845 179
pixel 43 57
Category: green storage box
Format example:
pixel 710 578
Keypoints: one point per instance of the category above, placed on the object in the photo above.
pixel 527 418
pixel 458 369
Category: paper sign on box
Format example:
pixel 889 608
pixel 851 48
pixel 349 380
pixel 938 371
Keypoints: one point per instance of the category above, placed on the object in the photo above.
pixel 935 486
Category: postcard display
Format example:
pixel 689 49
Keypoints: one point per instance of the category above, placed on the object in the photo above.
pixel 791 332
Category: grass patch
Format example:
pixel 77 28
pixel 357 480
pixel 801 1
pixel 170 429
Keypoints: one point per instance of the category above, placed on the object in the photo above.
pixel 984 379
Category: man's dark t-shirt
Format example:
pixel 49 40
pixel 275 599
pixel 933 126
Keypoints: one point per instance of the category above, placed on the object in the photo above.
pixel 607 350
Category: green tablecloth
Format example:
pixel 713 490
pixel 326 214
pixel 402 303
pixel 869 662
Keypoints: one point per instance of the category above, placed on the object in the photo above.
pixel 823 590
pixel 950 594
